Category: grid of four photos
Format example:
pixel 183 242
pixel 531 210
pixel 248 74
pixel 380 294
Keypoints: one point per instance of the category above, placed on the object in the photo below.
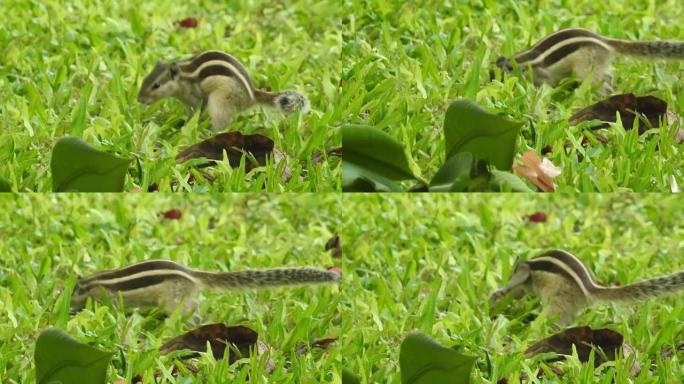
pixel 342 192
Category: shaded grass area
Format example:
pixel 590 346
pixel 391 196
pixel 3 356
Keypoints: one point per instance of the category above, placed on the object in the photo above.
pixel 50 240
pixel 404 62
pixel 429 263
pixel 74 68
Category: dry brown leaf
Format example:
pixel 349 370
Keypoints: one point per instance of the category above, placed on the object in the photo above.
pixel 649 109
pixel 584 339
pixel 240 340
pixel 235 144
pixel 540 172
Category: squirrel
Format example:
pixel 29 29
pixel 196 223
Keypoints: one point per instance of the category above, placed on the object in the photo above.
pixel 218 81
pixel 565 285
pixel 168 285
pixel 583 53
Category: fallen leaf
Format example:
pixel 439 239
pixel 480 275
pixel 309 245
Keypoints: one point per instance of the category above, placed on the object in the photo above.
pixel 584 339
pixel 173 214
pixel 537 217
pixel 334 245
pixel 189 22
pixel 649 109
pixel 235 144
pixel 540 172
pixel 239 339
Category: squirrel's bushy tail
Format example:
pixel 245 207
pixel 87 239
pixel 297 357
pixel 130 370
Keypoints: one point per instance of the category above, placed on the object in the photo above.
pixel 262 278
pixel 660 49
pixel 645 289
pixel 286 101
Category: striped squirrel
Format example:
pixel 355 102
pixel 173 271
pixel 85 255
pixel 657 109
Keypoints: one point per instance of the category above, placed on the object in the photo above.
pixel 168 285
pixel 565 285
pixel 217 80
pixel 583 53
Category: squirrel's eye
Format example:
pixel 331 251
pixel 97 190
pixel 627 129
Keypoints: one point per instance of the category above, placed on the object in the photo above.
pixel 156 85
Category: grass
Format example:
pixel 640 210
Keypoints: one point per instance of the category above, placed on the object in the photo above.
pixel 74 68
pixel 50 239
pixel 403 63
pixel 429 263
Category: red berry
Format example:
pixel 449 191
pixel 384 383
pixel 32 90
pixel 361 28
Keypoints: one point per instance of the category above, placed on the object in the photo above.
pixel 190 22
pixel 173 214
pixel 537 217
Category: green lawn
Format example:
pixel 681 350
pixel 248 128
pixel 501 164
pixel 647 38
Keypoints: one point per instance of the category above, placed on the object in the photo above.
pixel 430 262
pixel 60 55
pixel 49 240
pixel 403 63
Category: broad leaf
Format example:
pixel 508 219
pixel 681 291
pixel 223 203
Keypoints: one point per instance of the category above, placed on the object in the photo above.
pixel 78 167
pixel 376 151
pixel 424 361
pixel 454 175
pixel 62 359
pixel 356 178
pixel 469 128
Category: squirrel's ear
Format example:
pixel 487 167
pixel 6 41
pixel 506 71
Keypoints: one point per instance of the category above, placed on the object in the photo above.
pixel 173 69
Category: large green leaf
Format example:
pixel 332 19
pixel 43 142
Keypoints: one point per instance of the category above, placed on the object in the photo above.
pixel 454 175
pixel 469 128
pixel 424 361
pixel 78 167
pixel 355 178
pixel 376 151
pixel 62 359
